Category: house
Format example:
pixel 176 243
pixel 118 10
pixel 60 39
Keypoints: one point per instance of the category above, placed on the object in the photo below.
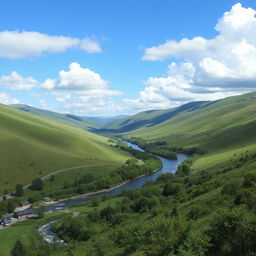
pixel 47 199
pixel 6 222
pixel 24 214
pixel 24 203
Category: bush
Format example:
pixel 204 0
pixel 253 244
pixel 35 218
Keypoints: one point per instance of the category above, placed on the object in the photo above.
pixel 232 233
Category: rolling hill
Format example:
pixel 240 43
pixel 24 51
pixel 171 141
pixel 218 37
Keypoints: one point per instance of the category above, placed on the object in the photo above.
pixel 69 119
pixel 209 125
pixel 32 146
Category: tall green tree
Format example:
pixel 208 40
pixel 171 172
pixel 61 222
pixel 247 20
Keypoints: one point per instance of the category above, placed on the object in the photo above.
pixel 37 184
pixel 10 206
pixel 19 190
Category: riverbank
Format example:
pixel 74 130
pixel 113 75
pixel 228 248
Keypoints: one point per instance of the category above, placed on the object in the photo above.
pixel 95 193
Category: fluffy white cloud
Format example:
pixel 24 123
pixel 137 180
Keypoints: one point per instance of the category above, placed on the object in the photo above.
pixel 227 60
pixel 76 78
pixel 16 82
pixel 101 92
pixel 82 91
pixel 175 89
pixel 89 45
pixel 7 99
pixel 49 84
pixel 23 44
pixel 61 96
pixel 211 69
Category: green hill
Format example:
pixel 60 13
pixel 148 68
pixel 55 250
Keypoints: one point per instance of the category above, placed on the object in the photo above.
pixel 149 118
pixel 69 119
pixel 209 125
pixel 32 146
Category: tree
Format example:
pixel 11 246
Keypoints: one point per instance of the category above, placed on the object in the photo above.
pixel 37 184
pixel 10 206
pixel 107 213
pixel 232 233
pixel 174 189
pixel 18 249
pixel 19 190
pixel 165 236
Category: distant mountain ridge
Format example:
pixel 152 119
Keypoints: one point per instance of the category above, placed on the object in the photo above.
pixel 69 119
pixel 150 118
pixel 212 125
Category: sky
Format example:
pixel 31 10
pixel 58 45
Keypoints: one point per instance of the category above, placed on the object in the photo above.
pixel 112 57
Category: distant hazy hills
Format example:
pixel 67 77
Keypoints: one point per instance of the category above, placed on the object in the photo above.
pixel 86 123
pixel 73 120
pixel 210 125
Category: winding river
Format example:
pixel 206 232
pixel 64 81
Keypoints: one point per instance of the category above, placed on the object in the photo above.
pixel 168 166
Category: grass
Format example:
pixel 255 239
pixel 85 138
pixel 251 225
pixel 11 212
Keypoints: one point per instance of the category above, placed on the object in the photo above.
pixel 32 147
pixel 72 120
pixel 214 159
pixel 70 176
pixel 212 126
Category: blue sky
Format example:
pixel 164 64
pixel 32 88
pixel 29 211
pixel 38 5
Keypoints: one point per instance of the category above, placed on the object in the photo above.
pixel 120 57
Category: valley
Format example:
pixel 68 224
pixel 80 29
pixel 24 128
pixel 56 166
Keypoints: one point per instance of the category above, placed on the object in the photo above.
pixel 188 199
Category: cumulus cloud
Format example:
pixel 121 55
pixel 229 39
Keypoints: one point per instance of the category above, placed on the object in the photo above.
pixel 76 78
pixel 174 89
pixel 23 44
pixel 82 91
pixel 61 96
pixel 16 82
pixel 227 60
pixel 210 69
pixel 7 99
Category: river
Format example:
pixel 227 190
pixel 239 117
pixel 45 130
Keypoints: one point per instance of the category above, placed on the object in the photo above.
pixel 168 166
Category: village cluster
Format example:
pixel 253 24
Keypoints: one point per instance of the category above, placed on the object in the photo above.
pixel 24 211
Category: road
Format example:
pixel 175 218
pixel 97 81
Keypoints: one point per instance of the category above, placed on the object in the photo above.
pixel 72 168
pixel 65 170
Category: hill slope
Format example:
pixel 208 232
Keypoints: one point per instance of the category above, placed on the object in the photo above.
pixel 69 119
pixel 32 146
pixel 210 125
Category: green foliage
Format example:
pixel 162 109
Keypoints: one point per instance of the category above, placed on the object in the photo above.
pixel 233 232
pixel 165 236
pixel 249 180
pixel 77 229
pixel 37 184
pixel 183 169
pixel 19 190
pixel 175 189
pixel 231 188
pixel 11 205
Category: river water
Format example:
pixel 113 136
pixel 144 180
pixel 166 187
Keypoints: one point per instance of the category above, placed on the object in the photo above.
pixel 168 166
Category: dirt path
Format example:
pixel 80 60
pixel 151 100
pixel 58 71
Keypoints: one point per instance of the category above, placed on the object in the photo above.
pixel 72 168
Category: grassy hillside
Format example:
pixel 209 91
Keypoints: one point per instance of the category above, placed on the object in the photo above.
pixel 212 126
pixel 32 147
pixel 73 120
pixel 209 210
pixel 149 118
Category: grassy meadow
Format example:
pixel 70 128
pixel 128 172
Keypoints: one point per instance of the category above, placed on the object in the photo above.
pixel 32 147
